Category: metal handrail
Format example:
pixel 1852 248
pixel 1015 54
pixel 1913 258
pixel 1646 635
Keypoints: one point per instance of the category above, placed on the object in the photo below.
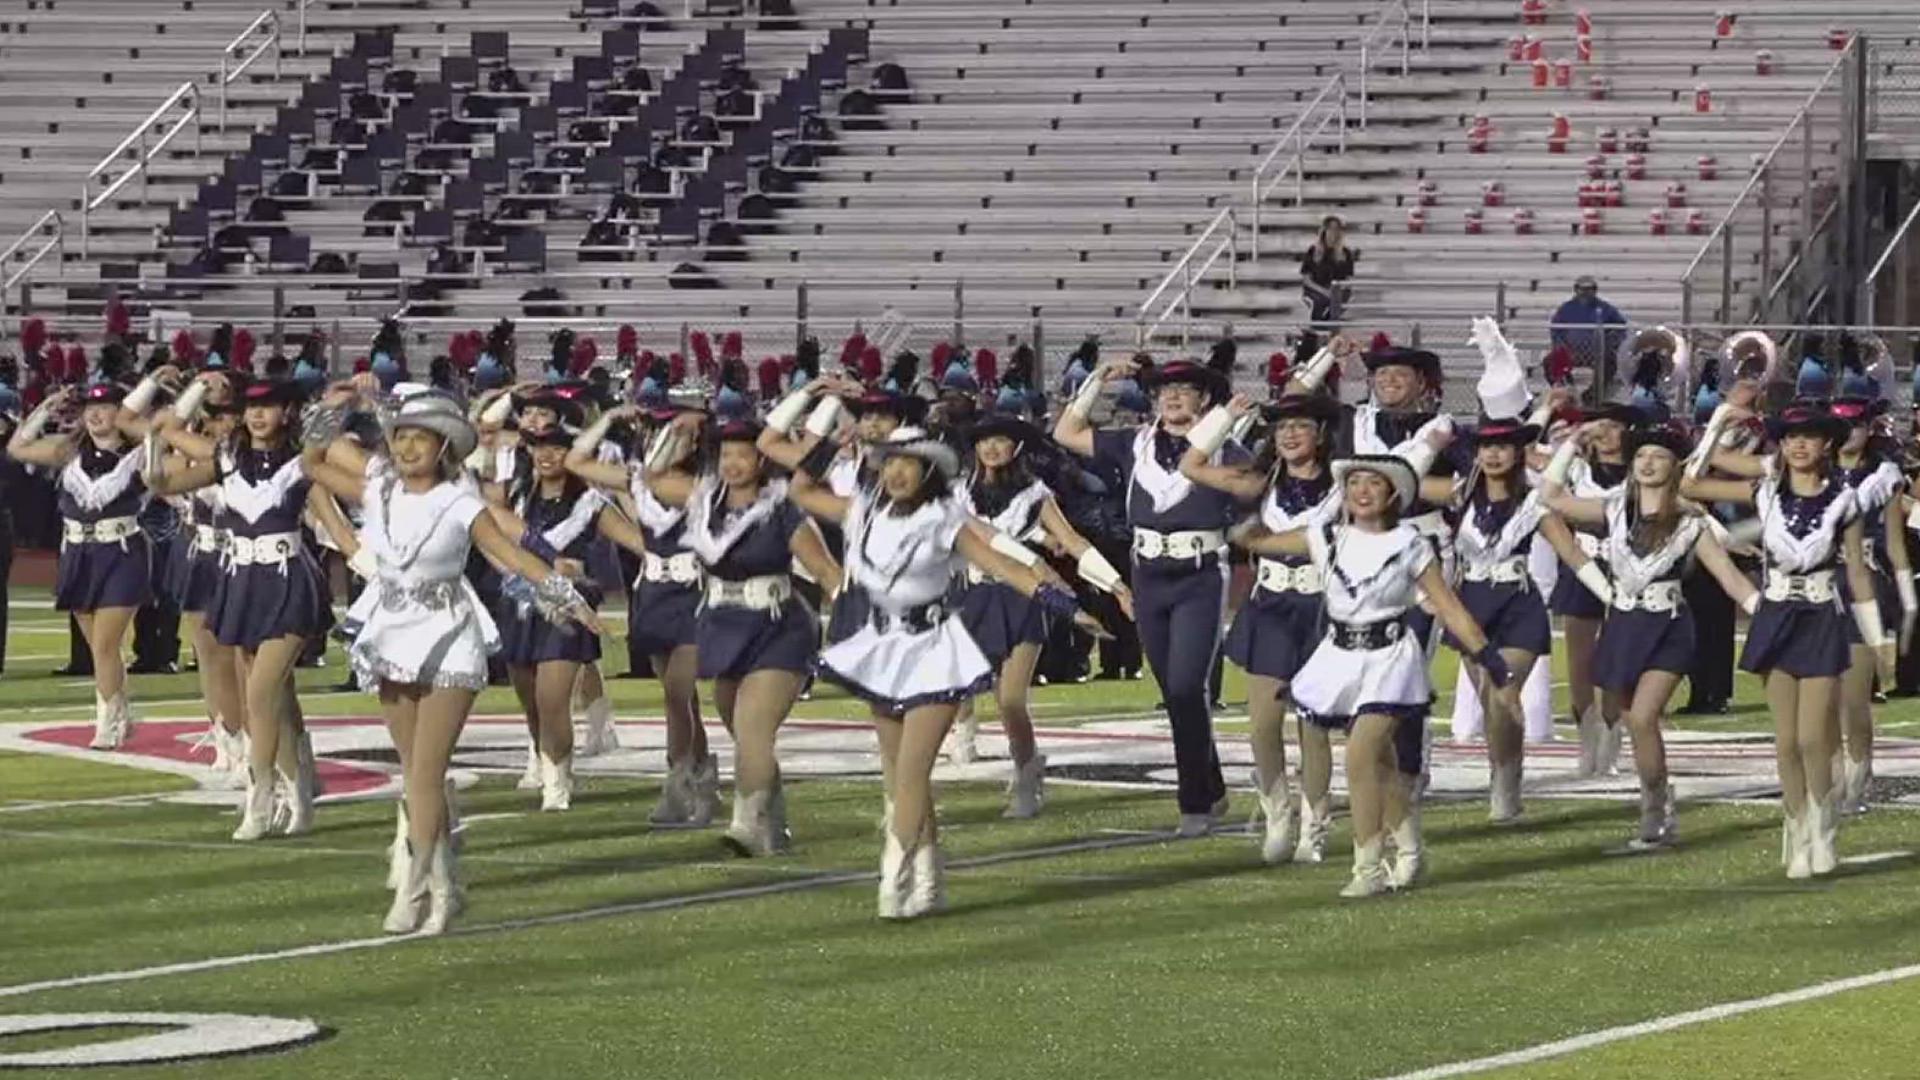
pixel 1367 46
pixel 1296 164
pixel 57 242
pixel 1766 163
pixel 1186 273
pixel 300 8
pixel 1873 276
pixel 230 71
pixel 90 202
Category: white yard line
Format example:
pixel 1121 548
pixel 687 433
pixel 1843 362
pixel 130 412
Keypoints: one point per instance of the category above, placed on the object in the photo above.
pixel 1563 1047
pixel 666 903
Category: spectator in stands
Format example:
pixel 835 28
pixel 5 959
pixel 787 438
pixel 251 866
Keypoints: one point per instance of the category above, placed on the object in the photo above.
pixel 1592 328
pixel 1327 264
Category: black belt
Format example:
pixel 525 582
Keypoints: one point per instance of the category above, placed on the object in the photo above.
pixel 916 620
pixel 1361 636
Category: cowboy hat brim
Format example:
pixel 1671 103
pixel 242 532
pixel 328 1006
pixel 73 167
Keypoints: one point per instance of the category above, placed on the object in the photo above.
pixel 1406 486
pixel 1205 379
pixel 932 451
pixel 1506 432
pixel 1301 407
pixel 1007 427
pixel 425 412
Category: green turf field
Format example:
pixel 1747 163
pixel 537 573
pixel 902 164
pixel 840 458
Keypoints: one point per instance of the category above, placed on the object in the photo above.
pixel 1083 943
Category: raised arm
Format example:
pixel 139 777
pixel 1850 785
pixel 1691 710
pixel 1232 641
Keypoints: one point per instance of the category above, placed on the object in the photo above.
pixel 1074 430
pixel 320 443
pixel 1028 581
pixel 671 487
pixel 1205 438
pixel 819 403
pixel 29 448
pixel 1291 544
pixel 581 460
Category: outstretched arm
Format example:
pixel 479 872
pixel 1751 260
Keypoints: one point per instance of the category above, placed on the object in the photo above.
pixel 1291 544
pixel 1720 565
pixel 816 498
pixel 1711 491
pixel 1459 621
pixel 494 543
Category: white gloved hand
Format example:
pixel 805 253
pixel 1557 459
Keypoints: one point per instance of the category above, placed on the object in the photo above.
pixel 1595 579
pixel 364 563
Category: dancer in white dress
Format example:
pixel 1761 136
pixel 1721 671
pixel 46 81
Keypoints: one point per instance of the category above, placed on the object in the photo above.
pixel 913 662
pixel 1369 675
pixel 423 636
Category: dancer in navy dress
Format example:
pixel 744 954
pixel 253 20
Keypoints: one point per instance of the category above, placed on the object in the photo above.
pixel 1368 675
pixel 1811 533
pixel 105 571
pixel 914 662
pixel 1597 473
pixel 663 605
pixel 1007 624
pixel 1646 645
pixel 1869 464
pixel 271 596
pixel 556 516
pixel 421 634
pixel 1280 624
pixel 754 638
pixel 1494 517
pixel 1180 565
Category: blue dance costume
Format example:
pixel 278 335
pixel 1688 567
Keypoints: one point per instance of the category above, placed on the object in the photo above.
pixel 272 587
pixel 105 560
pixel 997 615
pixel 1280 624
pixel 1801 626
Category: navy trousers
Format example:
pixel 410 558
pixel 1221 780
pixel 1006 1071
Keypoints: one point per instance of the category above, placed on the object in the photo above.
pixel 1178 608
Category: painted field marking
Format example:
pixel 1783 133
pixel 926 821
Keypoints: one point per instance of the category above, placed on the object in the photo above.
pixel 666 903
pixel 1607 1036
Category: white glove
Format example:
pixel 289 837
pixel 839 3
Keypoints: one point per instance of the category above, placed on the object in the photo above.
pixel 1752 603
pixel 1013 549
pixel 664 451
pixel 1866 616
pixel 187 405
pixel 1095 570
pixel 1562 462
pixel 1493 344
pixel 788 412
pixel 1909 607
pixel 140 398
pixel 36 422
pixel 1595 579
pixel 498 409
pixel 1697 461
pixel 1210 433
pixel 825 417
pixel 1421 456
pixel 1316 373
pixel 364 563
pixel 1088 393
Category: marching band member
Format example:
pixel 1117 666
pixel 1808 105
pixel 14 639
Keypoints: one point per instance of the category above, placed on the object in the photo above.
pixel 104 571
pixel 1646 644
pixel 1180 565
pixel 1798 639
pixel 914 662
pixel 1280 624
pixel 422 635
pixel 1369 675
pixel 754 638
pixel 663 603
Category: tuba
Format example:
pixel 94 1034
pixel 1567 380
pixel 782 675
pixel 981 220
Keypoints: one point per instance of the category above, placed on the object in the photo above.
pixel 1656 359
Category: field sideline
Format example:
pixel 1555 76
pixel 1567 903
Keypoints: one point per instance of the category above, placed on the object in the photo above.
pixel 1084 941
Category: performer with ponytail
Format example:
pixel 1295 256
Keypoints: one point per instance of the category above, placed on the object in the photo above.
pixel 1811 534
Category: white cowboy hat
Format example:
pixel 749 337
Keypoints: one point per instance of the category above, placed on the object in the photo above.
pixel 916 442
pixel 1406 485
pixel 440 414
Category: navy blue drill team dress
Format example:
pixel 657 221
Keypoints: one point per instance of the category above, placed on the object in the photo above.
pixel 1801 626
pixel 1571 598
pixel 272 585
pixel 105 561
pixel 666 592
pixel 567 523
pixel 1280 624
pixel 1178 597
pixel 1650 627
pixel 996 615
pixel 1493 542
pixel 743 549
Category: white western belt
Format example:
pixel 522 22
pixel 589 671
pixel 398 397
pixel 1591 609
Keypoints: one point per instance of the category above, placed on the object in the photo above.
pixel 1499 572
pixel 764 593
pixel 105 531
pixel 1189 544
pixel 1276 576
pixel 271 548
pixel 1657 596
pixel 1816 587
pixel 207 538
pixel 681 569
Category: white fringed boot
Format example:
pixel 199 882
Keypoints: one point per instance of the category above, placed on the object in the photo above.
pixel 1026 792
pixel 1276 806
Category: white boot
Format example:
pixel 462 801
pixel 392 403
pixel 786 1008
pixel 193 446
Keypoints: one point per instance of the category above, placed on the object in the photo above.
pixel 1610 738
pixel 297 793
pixel 1858 781
pixel 105 736
pixel 410 895
pixel 450 798
pixel 1504 796
pixel 1822 827
pixel 1026 792
pixel 674 806
pixel 1276 805
pixel 1592 731
pixel 443 891
pixel 1409 854
pixel 229 758
pixel 530 776
pixel 1658 827
pixel 600 737
pixel 397 851
pixel 1794 848
pixel 896 878
pixel 259 805
pixel 703 793
pixel 886 812
pixel 748 835
pixel 1315 823
pixel 963 741
pixel 1369 872
pixel 929 891
pixel 556 784
pixel 309 765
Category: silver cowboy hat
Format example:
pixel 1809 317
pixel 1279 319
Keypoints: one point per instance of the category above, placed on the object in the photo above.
pixel 916 442
pixel 440 414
